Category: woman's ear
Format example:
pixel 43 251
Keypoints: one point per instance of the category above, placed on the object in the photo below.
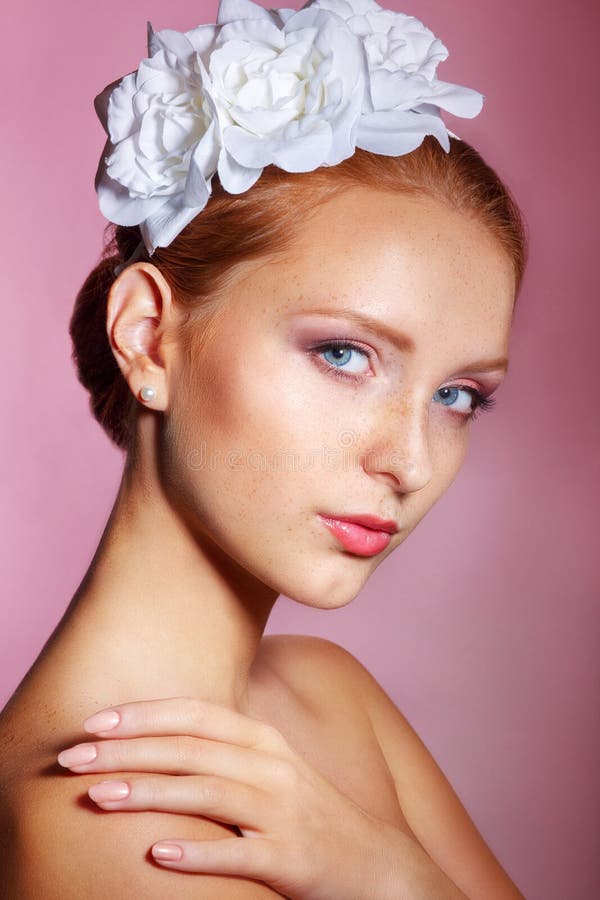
pixel 139 312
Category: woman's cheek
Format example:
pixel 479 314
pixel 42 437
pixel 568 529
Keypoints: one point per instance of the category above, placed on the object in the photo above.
pixel 448 443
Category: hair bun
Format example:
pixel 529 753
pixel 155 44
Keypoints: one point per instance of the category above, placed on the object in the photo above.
pixel 111 400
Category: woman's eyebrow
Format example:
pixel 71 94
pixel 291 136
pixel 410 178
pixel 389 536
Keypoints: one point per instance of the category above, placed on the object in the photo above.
pixel 488 365
pixel 400 340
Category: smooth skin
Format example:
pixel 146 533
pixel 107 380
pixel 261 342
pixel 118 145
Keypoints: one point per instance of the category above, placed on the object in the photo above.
pixel 211 524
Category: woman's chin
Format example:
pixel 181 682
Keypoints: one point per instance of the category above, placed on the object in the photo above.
pixel 333 591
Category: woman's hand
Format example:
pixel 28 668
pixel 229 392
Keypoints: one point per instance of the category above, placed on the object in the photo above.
pixel 303 837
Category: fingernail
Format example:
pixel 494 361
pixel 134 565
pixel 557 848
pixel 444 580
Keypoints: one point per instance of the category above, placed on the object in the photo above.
pixel 109 790
pixel 78 756
pixel 102 721
pixel 167 851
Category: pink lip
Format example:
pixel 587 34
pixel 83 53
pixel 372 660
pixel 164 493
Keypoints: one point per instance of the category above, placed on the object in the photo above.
pixel 371 522
pixel 363 535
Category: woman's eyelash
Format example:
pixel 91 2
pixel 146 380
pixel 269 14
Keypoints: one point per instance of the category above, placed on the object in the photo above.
pixel 481 403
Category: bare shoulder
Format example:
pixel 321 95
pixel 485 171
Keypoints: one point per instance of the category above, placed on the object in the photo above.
pixel 57 844
pixel 430 805
pixel 303 659
pixel 320 671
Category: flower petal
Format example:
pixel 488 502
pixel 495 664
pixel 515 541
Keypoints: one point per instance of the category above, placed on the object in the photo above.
pixel 253 31
pixel 175 42
pixel 394 132
pixel 293 152
pixel 234 177
pixel 116 204
pixel 162 227
pixel 397 90
pixel 203 165
pixel 102 101
pixel 284 14
pixel 121 121
pixel 202 38
pixel 458 100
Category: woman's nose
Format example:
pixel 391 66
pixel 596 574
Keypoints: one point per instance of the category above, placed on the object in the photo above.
pixel 399 449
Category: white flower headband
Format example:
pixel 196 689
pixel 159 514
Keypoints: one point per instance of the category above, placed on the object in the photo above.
pixel 295 88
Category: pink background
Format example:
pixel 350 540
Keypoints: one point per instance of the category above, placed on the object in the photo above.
pixel 483 627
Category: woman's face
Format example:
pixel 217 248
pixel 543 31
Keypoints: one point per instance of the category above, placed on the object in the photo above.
pixel 276 428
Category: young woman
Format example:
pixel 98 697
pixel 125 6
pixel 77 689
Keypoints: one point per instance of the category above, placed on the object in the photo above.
pixel 292 370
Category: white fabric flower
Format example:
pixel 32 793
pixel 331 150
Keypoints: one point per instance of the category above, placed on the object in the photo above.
pixel 288 87
pixel 402 103
pixel 297 89
pixel 163 141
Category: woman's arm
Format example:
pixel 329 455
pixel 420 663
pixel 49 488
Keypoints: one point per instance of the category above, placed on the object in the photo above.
pixel 58 845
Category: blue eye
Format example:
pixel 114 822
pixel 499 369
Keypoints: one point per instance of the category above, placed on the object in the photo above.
pixel 475 401
pixel 343 358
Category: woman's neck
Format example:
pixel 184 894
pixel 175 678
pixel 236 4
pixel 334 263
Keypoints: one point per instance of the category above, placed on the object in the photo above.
pixel 160 612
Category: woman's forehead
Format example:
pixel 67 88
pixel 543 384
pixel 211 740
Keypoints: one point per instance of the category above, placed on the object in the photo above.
pixel 379 242
pixel 388 255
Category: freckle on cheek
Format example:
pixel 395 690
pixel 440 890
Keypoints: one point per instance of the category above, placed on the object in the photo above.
pixel 397 408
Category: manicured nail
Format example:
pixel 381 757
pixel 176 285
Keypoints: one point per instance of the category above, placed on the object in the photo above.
pixel 109 790
pixel 78 756
pixel 170 852
pixel 102 721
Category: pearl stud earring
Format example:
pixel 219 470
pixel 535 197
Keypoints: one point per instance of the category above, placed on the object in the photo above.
pixel 147 392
